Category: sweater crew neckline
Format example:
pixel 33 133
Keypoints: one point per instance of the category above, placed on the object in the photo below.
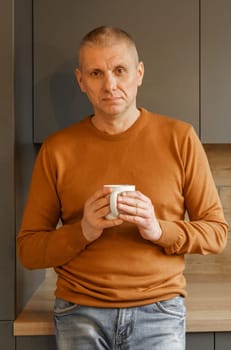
pixel 134 128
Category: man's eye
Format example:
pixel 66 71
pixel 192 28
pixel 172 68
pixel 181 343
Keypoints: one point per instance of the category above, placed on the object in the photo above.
pixel 95 73
pixel 120 70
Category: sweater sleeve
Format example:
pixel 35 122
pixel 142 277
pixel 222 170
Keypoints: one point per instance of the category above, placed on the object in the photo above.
pixel 40 243
pixel 206 230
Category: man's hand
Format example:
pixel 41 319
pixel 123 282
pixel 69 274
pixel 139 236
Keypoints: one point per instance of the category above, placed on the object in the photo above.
pixel 96 207
pixel 138 209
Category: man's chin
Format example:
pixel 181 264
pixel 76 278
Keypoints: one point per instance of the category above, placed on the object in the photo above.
pixel 114 109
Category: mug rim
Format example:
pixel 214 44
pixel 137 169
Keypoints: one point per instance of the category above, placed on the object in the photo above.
pixel 121 185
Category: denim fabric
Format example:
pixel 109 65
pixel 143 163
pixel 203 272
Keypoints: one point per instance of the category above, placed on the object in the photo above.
pixel 159 326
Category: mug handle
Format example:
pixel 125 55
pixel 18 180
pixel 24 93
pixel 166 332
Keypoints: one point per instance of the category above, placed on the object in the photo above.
pixel 113 204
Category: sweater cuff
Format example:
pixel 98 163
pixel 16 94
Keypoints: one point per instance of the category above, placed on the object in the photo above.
pixel 170 238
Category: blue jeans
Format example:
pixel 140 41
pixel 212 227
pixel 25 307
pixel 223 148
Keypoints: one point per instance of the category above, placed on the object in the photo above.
pixel 159 326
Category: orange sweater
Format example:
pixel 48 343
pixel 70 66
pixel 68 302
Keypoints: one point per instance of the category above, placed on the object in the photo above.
pixel 165 160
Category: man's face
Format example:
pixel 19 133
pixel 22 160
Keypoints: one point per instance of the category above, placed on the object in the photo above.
pixel 110 76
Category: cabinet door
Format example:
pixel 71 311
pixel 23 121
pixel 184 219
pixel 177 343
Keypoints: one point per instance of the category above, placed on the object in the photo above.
pixel 215 71
pixel 7 340
pixel 7 214
pixel 36 343
pixel 166 33
pixel 199 341
pixel 223 341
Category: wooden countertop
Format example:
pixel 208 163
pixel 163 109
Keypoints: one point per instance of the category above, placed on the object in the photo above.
pixel 208 307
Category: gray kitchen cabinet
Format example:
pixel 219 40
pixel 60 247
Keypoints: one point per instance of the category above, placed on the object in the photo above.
pixel 223 341
pixel 215 71
pixel 200 341
pixel 208 341
pixel 36 343
pixel 7 340
pixel 167 36
pixel 7 233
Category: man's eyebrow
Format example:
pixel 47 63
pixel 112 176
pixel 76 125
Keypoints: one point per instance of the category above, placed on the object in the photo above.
pixel 92 68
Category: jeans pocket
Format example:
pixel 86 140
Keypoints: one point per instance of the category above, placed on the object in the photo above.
pixel 173 307
pixel 63 307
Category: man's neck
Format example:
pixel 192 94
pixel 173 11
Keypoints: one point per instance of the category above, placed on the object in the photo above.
pixel 115 124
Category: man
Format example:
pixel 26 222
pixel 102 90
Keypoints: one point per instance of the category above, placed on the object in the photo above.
pixel 120 282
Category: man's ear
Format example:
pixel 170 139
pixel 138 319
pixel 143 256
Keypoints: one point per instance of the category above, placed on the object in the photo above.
pixel 78 75
pixel 140 71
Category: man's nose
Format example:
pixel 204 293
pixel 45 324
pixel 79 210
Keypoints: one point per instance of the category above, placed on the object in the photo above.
pixel 110 82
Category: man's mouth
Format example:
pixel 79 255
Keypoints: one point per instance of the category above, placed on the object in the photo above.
pixel 112 99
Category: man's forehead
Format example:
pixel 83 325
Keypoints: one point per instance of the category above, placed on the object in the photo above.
pixel 100 54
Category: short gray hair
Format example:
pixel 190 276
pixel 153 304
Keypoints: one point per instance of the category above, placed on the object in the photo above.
pixel 107 36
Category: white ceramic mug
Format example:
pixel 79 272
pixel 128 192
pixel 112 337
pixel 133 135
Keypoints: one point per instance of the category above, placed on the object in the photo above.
pixel 116 189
